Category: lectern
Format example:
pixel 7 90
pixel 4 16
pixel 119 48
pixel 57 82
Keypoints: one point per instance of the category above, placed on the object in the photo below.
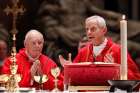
pixel 90 76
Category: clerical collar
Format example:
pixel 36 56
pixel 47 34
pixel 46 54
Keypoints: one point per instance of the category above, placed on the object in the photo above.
pixel 31 58
pixel 97 49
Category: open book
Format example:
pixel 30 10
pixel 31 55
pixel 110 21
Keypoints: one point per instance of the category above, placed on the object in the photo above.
pixel 103 63
pixel 91 63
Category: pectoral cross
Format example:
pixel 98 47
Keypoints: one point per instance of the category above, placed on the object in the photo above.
pixel 14 10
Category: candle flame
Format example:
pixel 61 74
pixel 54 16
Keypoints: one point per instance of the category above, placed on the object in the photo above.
pixel 123 17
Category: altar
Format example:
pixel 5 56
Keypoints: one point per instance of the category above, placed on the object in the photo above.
pixel 19 90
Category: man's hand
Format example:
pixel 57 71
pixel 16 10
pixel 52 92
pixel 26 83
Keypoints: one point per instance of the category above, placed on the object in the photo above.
pixel 64 61
pixel 36 68
pixel 109 58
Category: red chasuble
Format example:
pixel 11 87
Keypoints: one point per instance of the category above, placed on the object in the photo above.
pixel 24 66
pixel 86 55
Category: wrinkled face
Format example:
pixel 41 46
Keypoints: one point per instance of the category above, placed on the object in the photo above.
pixel 94 33
pixel 34 45
pixel 3 50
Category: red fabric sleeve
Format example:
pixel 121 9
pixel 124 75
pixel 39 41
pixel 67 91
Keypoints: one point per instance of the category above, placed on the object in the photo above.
pixel 133 71
pixel 6 66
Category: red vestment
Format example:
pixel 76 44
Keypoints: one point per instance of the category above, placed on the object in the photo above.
pixel 24 66
pixel 86 55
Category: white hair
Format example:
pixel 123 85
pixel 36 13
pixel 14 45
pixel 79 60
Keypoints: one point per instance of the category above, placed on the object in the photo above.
pixel 98 19
pixel 31 33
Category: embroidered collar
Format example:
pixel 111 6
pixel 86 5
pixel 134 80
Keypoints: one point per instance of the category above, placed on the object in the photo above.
pixel 31 58
pixel 98 49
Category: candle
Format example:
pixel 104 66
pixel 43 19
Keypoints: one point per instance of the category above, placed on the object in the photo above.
pixel 123 29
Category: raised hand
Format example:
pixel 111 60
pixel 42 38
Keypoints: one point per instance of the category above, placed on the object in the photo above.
pixel 64 61
pixel 109 58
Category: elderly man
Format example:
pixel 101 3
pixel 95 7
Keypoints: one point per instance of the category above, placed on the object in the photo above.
pixel 101 48
pixel 32 62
